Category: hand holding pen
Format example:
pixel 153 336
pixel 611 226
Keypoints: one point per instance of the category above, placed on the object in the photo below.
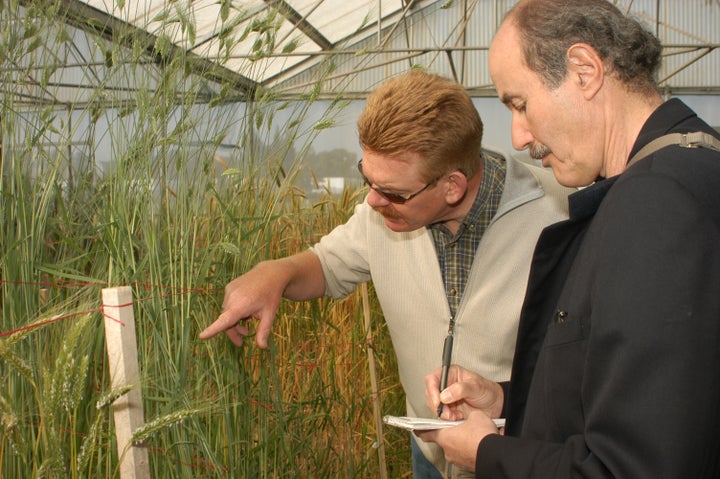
pixel 465 392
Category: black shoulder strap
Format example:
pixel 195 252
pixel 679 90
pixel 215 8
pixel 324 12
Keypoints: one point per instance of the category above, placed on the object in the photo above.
pixel 697 139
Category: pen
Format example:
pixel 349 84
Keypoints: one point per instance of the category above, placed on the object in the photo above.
pixel 447 356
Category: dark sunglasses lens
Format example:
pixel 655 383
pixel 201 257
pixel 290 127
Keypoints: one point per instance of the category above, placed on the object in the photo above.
pixel 393 198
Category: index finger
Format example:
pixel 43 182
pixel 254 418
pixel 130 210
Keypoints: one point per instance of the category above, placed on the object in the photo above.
pixel 432 389
pixel 432 379
pixel 225 321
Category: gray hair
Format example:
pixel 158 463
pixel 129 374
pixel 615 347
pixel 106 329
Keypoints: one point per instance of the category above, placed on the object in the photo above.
pixel 549 27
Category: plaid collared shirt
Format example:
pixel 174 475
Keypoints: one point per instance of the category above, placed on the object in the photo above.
pixel 456 252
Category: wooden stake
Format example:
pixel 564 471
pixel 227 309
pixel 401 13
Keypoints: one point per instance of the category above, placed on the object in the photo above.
pixel 377 407
pixel 123 362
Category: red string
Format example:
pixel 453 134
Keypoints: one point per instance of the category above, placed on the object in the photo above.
pixel 68 284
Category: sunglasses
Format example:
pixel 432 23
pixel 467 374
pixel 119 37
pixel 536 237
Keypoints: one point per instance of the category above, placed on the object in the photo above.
pixel 396 198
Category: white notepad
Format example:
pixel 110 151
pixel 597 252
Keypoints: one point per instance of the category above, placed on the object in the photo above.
pixel 425 424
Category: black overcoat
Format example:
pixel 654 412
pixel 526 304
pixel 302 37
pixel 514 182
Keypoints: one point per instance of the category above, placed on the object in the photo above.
pixel 617 368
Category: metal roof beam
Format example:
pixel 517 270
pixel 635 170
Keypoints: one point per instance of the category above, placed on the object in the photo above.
pixel 300 23
pixel 89 19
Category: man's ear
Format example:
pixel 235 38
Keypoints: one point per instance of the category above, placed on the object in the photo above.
pixel 585 68
pixel 456 187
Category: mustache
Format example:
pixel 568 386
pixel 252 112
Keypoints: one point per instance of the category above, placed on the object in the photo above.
pixel 386 211
pixel 537 151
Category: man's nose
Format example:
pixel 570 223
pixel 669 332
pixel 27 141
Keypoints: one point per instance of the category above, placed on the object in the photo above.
pixel 376 199
pixel 520 134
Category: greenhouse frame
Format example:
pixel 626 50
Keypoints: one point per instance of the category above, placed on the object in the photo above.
pixel 170 145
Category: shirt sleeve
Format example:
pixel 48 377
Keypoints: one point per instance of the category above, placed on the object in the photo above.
pixel 343 254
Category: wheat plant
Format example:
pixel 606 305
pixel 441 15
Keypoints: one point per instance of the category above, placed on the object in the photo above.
pixel 144 191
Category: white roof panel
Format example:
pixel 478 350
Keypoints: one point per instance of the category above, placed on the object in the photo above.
pixel 253 38
pixel 238 45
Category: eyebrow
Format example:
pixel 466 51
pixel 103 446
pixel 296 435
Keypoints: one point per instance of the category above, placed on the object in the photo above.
pixel 386 189
pixel 507 98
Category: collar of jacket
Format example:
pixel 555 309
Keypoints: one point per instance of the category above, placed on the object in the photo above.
pixel 585 202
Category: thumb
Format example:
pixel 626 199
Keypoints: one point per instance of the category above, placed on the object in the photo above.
pixel 447 396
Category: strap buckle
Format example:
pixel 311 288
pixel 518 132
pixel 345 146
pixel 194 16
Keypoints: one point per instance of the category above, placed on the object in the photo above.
pixel 691 140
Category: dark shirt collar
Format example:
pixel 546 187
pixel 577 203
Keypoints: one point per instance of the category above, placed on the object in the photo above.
pixel 488 195
pixel 584 203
